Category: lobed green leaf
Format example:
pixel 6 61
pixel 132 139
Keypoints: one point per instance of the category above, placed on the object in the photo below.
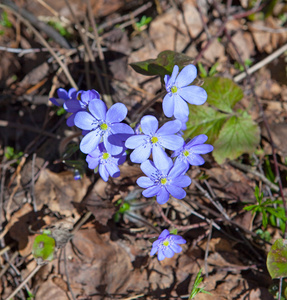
pixel 222 93
pixel 277 259
pixel 238 135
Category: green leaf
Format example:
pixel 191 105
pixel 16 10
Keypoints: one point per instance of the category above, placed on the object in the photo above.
pixel 204 120
pixel 277 259
pixel 43 247
pixel 238 135
pixel 223 93
pixel 163 64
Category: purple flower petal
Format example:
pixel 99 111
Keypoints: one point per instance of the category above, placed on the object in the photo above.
pixel 116 113
pixel 144 182
pixel 181 110
pixel 113 170
pixel 168 105
pixel 167 252
pixel 90 142
pixel 173 75
pixel 160 158
pixel 186 76
pixel 84 120
pixel 177 170
pixel 163 196
pixel 98 109
pixel 71 120
pixel 171 142
pixel 202 149
pixel 123 129
pixel 178 239
pixel 199 139
pixel 149 125
pixel 141 153
pixel 164 234
pixel 169 128
pixel 175 248
pixel 135 141
pixel 149 168
pixel 193 94
pixel 176 192
pixel 72 106
pixel 113 143
pixel 182 181
pixel 195 160
pixel 62 94
pixel 103 172
pixel 153 251
pixel 160 255
pixel 151 191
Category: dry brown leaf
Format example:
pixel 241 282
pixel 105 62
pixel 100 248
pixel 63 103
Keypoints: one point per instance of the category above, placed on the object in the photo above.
pixel 60 191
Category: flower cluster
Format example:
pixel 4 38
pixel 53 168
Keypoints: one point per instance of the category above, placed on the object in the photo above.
pixel 106 139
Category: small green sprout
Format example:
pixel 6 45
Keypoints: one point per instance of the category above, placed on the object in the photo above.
pixel 267 209
pixel 195 289
pixel 11 154
pixel 141 25
pixel 203 73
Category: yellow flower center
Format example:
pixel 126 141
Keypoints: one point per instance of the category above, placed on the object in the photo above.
pixel 163 181
pixel 173 89
pixel 104 126
pixel 185 152
pixel 154 139
pixel 105 155
pixel 165 243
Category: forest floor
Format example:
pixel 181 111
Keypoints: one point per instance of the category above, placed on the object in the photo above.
pixel 104 253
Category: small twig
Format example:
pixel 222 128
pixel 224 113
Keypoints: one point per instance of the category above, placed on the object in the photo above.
pixel 33 182
pixel 67 275
pixel 44 42
pixel 50 31
pixel 179 227
pixel 90 54
pixel 100 52
pixel 126 17
pixel 280 287
pixel 19 287
pixel 248 169
pixel 4 123
pixel 137 114
pixel 261 63
pixel 134 297
pixel 215 203
pixel 207 249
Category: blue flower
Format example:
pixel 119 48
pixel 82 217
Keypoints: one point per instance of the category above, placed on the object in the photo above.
pixel 166 245
pixel 105 125
pixel 153 140
pixel 63 96
pixel 179 91
pixel 108 164
pixel 74 105
pixel 164 182
pixel 189 153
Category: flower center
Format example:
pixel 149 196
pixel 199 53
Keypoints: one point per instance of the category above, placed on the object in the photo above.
pixel 185 152
pixel 163 181
pixel 174 89
pixel 154 139
pixel 104 126
pixel 165 243
pixel 105 155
